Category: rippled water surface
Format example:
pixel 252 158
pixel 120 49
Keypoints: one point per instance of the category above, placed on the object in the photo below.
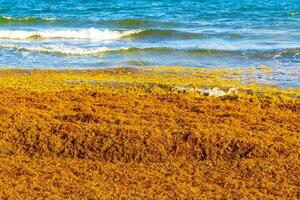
pixel 192 33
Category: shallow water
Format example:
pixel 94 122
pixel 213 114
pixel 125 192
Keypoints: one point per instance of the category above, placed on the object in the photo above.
pixel 193 33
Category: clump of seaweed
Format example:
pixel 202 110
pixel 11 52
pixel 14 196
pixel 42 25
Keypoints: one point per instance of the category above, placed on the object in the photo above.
pixel 129 133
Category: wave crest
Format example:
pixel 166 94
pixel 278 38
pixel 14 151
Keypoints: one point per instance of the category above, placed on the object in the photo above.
pixel 91 33
pixel 81 51
pixel 97 34
pixel 61 49
pixel 68 50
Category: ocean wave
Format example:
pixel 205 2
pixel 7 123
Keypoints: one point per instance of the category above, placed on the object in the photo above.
pixel 158 33
pixel 97 34
pixel 91 33
pixel 61 49
pixel 26 20
pixel 68 50
pixel 276 54
pixel 251 53
pixel 80 51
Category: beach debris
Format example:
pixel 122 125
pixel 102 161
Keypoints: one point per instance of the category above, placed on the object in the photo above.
pixel 232 91
pixel 216 92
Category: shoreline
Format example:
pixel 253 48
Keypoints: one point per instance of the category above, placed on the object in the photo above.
pixel 169 79
pixel 259 76
pixel 130 133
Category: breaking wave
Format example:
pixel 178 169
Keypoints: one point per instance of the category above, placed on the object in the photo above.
pixel 88 51
pixel 90 33
pixel 61 49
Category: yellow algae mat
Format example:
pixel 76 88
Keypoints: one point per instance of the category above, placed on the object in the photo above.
pixel 147 133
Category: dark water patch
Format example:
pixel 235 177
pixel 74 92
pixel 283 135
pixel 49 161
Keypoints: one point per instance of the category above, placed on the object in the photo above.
pixel 293 14
pixel 233 36
pixel 93 9
pixel 129 22
pixel 209 52
pixel 7 20
pixel 133 23
pixel 137 63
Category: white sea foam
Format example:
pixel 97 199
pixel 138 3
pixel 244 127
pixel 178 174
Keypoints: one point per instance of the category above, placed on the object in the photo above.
pixel 91 33
pixel 62 49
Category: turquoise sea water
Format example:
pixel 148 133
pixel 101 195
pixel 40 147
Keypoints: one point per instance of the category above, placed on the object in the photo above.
pixel 192 33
